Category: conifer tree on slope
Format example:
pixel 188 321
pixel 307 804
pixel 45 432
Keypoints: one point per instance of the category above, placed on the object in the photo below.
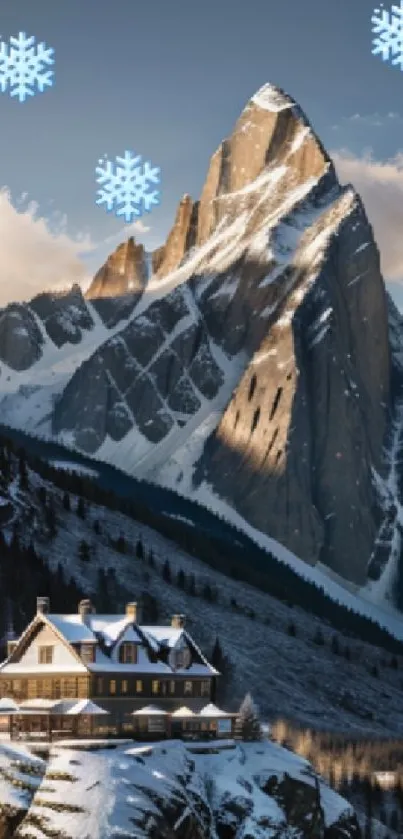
pixel 248 722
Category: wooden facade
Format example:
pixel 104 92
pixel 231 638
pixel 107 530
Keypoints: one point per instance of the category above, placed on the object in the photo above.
pixel 107 686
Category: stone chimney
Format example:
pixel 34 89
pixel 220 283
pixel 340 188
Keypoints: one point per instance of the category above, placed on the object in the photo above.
pixel 42 605
pixel 85 608
pixel 178 621
pixel 134 612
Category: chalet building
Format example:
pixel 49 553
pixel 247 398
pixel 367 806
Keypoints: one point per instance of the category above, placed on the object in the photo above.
pixel 113 660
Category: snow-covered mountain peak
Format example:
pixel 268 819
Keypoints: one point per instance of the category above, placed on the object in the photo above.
pixel 272 98
pixel 237 368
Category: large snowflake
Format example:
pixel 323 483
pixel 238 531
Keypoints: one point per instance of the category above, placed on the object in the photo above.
pixel 388 26
pixel 23 66
pixel 126 185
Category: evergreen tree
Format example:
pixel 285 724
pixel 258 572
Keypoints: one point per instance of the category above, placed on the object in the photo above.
pixel 96 527
pixel 66 502
pixel 42 495
pixel 151 609
pixel 102 599
pixel 84 551
pixel 207 593
pixel 248 725
pixel 217 656
pixel 121 544
pixel 335 645
pixel 166 572
pixel 23 473
pixel 139 549
pixel 394 821
pixel 368 809
pixel 50 518
pixel 151 558
pixel 223 664
pixel 181 579
pixel 80 509
pixel 319 638
pixel 292 629
pixel 192 585
pixel 347 652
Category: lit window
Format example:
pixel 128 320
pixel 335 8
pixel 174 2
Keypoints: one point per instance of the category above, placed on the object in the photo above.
pixel 124 686
pixel 128 653
pixel 188 688
pixel 112 686
pixel 205 687
pixel 45 655
pixel 139 686
pixel 155 687
pixel 69 688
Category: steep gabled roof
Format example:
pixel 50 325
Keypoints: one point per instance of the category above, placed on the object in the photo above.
pixel 107 631
pixel 28 635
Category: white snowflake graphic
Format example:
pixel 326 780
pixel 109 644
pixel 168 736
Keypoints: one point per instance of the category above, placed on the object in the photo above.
pixel 126 185
pixel 388 26
pixel 23 66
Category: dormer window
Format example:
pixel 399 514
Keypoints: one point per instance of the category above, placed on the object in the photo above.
pixel 180 658
pixel 128 653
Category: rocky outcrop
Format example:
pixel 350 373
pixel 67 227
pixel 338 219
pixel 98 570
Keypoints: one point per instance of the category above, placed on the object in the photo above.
pixel 300 802
pixel 180 240
pixel 65 316
pixel 168 790
pixel 124 272
pixel 20 337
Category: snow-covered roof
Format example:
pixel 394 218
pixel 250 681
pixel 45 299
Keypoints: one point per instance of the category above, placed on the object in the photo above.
pixel 72 628
pixel 105 631
pixel 86 706
pixel 167 635
pixel 43 704
pixel 8 705
pixel 183 712
pixel 211 710
pixel 150 710
pixel 17 668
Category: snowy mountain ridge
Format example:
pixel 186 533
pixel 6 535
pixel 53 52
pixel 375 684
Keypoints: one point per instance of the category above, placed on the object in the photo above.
pixel 237 373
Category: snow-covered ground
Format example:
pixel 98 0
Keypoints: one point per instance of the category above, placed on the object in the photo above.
pixel 148 791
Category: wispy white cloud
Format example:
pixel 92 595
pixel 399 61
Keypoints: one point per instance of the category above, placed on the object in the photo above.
pixel 380 184
pixel 37 253
pixel 375 120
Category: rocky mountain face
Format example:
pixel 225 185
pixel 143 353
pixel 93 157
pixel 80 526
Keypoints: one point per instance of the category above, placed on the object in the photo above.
pixel 257 368
pixel 169 789
pixel 125 271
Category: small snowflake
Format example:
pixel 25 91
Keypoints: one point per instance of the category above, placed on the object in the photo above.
pixel 388 26
pixel 23 67
pixel 126 186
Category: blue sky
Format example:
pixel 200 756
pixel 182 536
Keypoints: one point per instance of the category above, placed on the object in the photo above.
pixel 168 79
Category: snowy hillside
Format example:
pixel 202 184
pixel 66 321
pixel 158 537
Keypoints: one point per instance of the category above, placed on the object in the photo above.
pixel 168 789
pixel 295 664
